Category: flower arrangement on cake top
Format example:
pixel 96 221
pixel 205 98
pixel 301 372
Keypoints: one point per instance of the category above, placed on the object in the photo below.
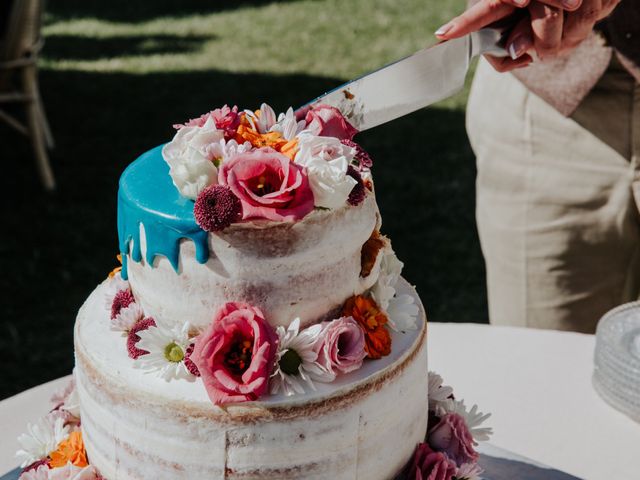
pixel 258 165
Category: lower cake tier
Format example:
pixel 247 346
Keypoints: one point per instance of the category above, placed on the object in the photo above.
pixel 364 425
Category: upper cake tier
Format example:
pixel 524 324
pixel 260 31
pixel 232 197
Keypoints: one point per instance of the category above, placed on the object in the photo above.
pixel 285 221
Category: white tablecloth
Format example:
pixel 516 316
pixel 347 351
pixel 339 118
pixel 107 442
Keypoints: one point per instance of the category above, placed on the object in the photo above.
pixel 537 385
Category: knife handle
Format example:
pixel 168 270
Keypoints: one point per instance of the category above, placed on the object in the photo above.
pixel 492 40
pixel 489 41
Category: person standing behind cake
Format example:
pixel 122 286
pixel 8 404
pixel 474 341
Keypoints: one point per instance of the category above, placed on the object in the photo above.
pixel 557 142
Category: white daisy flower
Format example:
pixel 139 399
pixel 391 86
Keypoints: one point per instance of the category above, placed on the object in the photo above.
pixel 263 120
pixel 287 125
pixel 402 312
pixel 41 439
pixel 385 287
pixel 127 318
pixel 68 399
pixel 223 150
pixel 473 418
pixel 438 393
pixel 469 471
pixel 296 364
pixel 166 347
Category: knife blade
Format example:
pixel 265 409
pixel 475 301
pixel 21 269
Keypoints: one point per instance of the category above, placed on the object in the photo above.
pixel 428 76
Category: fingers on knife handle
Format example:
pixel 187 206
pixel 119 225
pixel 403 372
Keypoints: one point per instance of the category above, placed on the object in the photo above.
pixel 478 16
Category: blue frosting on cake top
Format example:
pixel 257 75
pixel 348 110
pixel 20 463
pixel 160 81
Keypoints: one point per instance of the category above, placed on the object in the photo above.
pixel 148 196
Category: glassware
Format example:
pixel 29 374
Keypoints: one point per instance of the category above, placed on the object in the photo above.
pixel 616 375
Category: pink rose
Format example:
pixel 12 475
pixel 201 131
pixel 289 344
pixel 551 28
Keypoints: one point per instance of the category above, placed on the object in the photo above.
pixel 341 346
pixel 235 354
pixel 268 185
pixel 452 436
pixel 429 465
pixel 327 121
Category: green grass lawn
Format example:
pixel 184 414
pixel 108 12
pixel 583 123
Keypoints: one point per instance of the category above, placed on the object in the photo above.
pixel 116 75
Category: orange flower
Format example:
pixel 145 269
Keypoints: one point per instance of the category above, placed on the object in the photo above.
pixel 70 450
pixel 373 321
pixel 117 269
pixel 269 139
pixel 290 149
pixel 246 133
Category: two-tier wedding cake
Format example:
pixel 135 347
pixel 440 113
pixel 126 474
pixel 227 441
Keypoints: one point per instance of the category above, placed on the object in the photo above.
pixel 258 327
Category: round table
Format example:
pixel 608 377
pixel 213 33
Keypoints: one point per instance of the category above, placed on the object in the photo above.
pixel 536 384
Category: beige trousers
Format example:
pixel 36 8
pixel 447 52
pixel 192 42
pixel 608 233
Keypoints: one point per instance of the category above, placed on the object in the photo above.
pixel 558 223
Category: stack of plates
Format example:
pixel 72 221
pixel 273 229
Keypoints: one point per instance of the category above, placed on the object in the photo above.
pixel 616 375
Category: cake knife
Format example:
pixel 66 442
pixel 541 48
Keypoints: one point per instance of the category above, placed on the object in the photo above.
pixel 428 76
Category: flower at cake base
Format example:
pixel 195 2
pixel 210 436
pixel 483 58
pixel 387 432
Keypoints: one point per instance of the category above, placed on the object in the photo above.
pixel 373 322
pixel 469 471
pixel 439 394
pixel 190 158
pixel 268 185
pixel 166 347
pixel 473 418
pixel 341 348
pixel 328 121
pixel 452 436
pixel 70 450
pixel 296 364
pixel 41 439
pixel 235 354
pixel 430 465
pixel 71 472
pixel 327 162
pixel 36 472
pixel 67 399
pixel 216 208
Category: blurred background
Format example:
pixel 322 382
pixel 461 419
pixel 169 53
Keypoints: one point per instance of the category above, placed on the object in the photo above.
pixel 114 76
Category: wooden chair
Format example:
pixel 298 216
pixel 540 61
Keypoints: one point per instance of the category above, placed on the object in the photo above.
pixel 19 49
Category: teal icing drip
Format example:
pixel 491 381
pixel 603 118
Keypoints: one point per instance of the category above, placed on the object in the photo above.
pixel 147 196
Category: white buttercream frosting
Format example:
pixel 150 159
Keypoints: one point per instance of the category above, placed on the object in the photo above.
pixel 135 426
pixel 302 270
